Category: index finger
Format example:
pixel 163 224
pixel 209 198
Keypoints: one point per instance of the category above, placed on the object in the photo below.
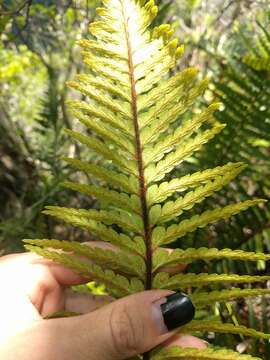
pixel 18 267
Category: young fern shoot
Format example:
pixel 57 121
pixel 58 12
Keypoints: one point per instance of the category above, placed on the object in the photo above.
pixel 132 106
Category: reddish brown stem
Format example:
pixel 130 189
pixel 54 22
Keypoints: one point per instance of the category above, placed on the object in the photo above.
pixel 142 184
pixel 138 149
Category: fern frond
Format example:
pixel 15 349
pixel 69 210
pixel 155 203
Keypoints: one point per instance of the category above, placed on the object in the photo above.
pixel 77 216
pixel 206 298
pixel 179 81
pixel 167 111
pixel 110 50
pixel 99 67
pixel 128 184
pixel 151 71
pixel 118 285
pixel 261 63
pixel 171 209
pixel 121 200
pixel 101 113
pixel 140 123
pixel 219 327
pixel 107 233
pixel 116 260
pixel 178 137
pixel 110 88
pixel 244 91
pixel 101 148
pixel 106 132
pixel 159 193
pixel 163 258
pixel 174 353
pixel 157 172
pixel 116 69
pixel 173 232
pixel 163 281
pixel 106 102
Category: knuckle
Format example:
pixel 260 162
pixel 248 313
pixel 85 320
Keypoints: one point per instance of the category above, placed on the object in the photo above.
pixel 126 332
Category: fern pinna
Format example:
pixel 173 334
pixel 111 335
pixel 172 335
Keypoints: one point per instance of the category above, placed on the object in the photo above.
pixel 132 107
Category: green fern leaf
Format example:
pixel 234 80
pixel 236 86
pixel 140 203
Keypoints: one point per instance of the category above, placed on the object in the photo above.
pixel 116 260
pixel 106 132
pixel 121 200
pixel 113 89
pixel 96 95
pixel 110 50
pixel 162 257
pixel 159 193
pixel 174 353
pixel 206 298
pixel 219 327
pixel 80 216
pixel 120 181
pixel 102 149
pixel 258 63
pixel 157 172
pixel 150 74
pixel 133 107
pixel 173 232
pixel 118 285
pixel 177 138
pixel 179 81
pixel 244 92
pixel 100 113
pixel 106 233
pixel 164 281
pixel 172 106
pixel 172 209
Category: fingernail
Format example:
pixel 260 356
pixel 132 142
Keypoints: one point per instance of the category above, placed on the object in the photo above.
pixel 177 311
pixel 158 316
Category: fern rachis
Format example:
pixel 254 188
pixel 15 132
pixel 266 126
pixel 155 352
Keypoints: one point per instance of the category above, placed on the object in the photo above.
pixel 131 105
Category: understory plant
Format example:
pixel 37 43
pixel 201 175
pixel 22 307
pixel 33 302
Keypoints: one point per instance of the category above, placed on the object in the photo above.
pixel 140 120
pixel 242 85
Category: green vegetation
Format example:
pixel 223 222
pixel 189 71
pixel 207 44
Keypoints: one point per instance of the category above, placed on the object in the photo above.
pixel 141 142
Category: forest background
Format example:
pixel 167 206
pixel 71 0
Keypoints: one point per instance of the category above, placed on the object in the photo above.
pixel 229 41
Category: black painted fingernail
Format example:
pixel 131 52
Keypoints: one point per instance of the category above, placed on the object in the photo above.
pixel 177 311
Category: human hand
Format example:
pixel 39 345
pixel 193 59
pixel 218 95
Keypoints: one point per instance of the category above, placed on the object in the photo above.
pixel 33 287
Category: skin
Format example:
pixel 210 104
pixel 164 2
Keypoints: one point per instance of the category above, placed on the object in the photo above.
pixel 33 287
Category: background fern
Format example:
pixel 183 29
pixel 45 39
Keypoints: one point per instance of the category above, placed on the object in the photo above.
pixel 244 91
pixel 119 138
pixel 247 137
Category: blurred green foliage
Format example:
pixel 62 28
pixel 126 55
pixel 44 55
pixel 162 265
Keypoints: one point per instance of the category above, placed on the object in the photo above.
pixel 228 40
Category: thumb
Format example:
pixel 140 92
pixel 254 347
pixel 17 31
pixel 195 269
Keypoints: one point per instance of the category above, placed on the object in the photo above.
pixel 132 325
